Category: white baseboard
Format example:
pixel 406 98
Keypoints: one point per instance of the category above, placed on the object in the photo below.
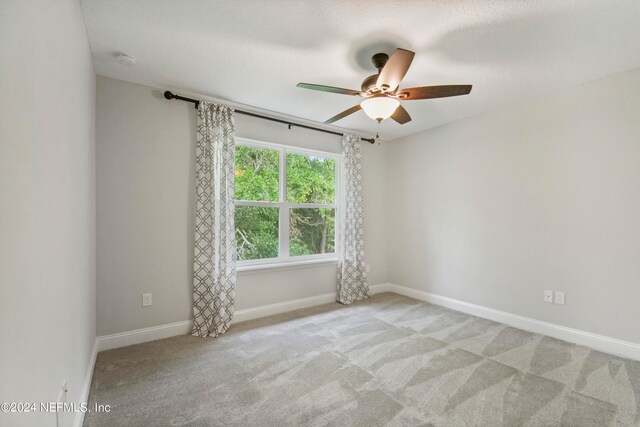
pixel 381 287
pixel 282 307
pixel 296 304
pixel 86 385
pixel 137 336
pixel 588 339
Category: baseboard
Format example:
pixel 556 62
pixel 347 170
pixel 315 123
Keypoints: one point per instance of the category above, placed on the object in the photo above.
pixel 297 304
pixel 137 336
pixel 381 287
pixel 78 420
pixel 588 339
pixel 282 307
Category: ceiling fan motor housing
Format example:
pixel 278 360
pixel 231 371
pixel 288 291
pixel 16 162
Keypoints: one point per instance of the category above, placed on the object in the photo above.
pixel 379 60
pixel 369 83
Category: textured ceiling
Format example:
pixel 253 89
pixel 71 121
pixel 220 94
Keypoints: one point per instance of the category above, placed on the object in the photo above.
pixel 255 51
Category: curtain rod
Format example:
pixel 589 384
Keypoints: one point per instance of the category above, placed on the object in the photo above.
pixel 170 95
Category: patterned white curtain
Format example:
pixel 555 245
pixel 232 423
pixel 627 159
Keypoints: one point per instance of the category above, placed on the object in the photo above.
pixel 352 274
pixel 214 264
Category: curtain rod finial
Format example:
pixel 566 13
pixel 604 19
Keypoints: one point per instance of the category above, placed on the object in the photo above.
pixel 168 94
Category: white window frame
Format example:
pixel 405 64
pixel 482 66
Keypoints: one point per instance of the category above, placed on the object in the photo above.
pixel 284 259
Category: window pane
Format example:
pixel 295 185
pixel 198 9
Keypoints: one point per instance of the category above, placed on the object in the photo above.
pixel 310 179
pixel 256 232
pixel 311 231
pixel 256 174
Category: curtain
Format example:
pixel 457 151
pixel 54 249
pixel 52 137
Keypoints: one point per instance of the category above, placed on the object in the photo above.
pixel 352 274
pixel 214 264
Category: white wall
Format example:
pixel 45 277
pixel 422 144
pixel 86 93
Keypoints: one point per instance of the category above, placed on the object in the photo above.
pixel 145 204
pixel 47 205
pixel 496 208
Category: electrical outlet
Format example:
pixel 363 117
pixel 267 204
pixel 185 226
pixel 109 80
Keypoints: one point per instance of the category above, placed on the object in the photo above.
pixel 560 297
pixel 146 300
pixel 367 268
pixel 62 394
pixel 548 296
pixel 61 416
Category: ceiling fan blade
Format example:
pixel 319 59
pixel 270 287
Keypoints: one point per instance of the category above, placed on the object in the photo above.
pixel 330 89
pixel 344 114
pixel 394 70
pixel 401 115
pixel 429 92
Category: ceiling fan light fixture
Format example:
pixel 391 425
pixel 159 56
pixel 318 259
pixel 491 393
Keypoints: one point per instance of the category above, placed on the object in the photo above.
pixel 380 107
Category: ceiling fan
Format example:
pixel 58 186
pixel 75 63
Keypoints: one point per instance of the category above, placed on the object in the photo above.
pixel 381 92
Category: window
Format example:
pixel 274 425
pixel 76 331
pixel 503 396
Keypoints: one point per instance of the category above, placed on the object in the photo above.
pixel 286 203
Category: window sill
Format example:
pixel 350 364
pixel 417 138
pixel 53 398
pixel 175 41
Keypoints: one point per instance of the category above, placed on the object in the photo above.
pixel 285 265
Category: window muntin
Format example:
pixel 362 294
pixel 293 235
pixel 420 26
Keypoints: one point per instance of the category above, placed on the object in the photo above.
pixel 294 223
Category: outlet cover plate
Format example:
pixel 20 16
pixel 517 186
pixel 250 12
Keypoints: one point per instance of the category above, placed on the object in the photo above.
pixel 560 298
pixel 146 300
pixel 548 296
pixel 62 416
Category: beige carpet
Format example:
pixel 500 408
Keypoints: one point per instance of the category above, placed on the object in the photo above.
pixel 390 360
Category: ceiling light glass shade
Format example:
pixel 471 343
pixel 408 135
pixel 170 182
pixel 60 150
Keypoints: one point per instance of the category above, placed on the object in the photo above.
pixel 379 108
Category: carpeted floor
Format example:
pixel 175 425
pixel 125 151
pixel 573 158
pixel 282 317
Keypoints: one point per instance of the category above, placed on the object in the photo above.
pixel 390 360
